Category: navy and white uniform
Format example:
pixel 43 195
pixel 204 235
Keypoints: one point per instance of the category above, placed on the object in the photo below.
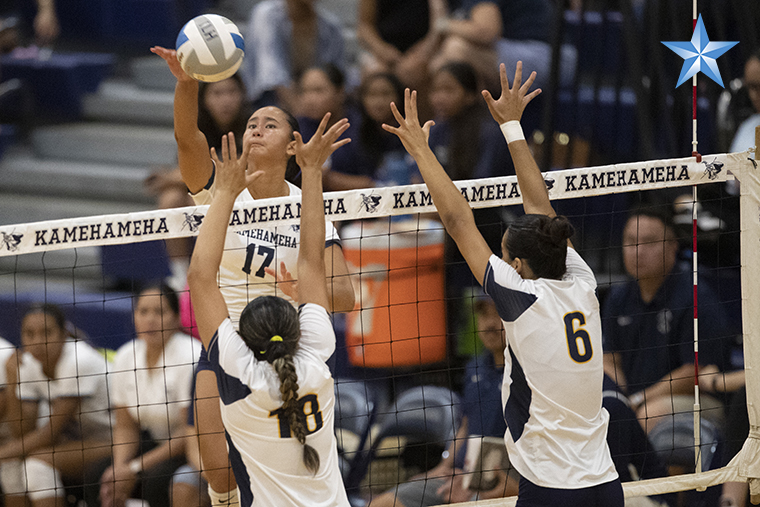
pixel 552 389
pixel 248 252
pixel 266 459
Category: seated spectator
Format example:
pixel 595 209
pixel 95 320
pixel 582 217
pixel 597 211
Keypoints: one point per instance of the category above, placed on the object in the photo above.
pixel 648 324
pixel 374 157
pixel 321 90
pixel 465 139
pixel 745 134
pixel 150 389
pixel 486 32
pixel 61 417
pixel 399 37
pixel 483 417
pixel 284 38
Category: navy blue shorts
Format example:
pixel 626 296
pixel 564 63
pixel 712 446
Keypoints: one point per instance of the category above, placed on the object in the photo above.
pixel 609 494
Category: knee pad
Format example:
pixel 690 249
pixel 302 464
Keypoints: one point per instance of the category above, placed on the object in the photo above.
pixel 228 499
pixel 13 477
pixel 43 480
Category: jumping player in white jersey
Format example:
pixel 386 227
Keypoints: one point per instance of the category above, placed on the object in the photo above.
pixel 545 295
pixel 276 390
pixel 258 261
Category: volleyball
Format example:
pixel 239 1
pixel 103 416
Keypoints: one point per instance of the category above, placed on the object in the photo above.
pixel 210 48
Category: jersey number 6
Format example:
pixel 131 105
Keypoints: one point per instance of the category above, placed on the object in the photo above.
pixel 309 413
pixel 578 340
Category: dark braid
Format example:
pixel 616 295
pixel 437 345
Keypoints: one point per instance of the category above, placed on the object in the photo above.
pixel 286 370
pixel 263 319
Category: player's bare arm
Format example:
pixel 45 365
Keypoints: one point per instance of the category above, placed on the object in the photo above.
pixel 311 157
pixel 510 107
pixel 231 179
pixel 192 146
pixel 453 209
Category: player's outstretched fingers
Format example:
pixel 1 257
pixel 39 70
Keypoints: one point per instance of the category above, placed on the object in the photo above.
pixel 518 76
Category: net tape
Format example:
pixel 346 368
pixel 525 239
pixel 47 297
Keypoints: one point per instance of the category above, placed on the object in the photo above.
pixel 369 203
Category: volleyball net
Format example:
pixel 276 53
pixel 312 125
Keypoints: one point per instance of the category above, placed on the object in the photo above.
pixel 407 282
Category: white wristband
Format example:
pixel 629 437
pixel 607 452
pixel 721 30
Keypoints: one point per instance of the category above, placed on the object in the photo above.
pixel 136 466
pixel 512 131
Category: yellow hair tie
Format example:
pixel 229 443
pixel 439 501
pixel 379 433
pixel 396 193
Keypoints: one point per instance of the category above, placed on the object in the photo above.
pixel 275 338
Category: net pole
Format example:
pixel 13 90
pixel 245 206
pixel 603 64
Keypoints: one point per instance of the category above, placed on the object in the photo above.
pixel 695 153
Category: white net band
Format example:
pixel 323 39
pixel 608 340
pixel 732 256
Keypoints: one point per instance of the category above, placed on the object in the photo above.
pixel 370 203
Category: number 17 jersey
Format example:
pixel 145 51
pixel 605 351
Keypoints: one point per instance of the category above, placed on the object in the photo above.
pixel 248 252
pixel 552 390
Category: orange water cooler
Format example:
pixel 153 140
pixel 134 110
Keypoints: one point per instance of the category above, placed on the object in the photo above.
pixel 398 273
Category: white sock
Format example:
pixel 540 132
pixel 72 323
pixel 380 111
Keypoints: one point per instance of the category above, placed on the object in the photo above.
pixel 228 499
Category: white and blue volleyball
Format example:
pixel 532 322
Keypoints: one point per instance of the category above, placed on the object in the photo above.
pixel 210 48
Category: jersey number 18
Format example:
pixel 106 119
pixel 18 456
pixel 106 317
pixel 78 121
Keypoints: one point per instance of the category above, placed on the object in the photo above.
pixel 309 413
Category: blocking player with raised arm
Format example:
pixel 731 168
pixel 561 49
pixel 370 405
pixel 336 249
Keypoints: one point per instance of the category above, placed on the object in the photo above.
pixel 276 390
pixel 545 295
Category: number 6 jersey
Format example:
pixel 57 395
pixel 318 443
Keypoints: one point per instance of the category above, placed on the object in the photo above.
pixel 266 459
pixel 248 252
pixel 552 388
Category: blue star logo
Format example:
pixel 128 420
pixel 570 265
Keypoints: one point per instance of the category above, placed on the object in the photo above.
pixel 699 54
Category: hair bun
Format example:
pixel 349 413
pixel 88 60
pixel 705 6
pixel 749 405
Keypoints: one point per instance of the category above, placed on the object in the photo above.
pixel 560 230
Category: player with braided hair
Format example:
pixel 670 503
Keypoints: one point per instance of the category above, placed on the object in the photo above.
pixel 276 391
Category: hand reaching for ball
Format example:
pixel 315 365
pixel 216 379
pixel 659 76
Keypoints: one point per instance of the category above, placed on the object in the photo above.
pixel 170 57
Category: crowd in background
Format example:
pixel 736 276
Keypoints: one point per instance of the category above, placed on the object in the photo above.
pixel 296 58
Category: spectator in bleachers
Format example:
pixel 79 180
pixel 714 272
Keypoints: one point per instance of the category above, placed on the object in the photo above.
pixel 321 90
pixel 374 157
pixel 399 37
pixel 58 407
pixel 45 24
pixel 284 38
pixel 483 417
pixel 465 139
pixel 150 390
pixel 745 135
pixel 486 32
pixel 648 324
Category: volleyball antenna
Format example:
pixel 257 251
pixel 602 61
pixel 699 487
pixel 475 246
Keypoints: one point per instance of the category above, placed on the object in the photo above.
pixel 695 153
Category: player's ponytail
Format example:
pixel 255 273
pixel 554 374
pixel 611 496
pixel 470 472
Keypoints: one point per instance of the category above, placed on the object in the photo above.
pixel 541 241
pixel 269 326
pixel 286 370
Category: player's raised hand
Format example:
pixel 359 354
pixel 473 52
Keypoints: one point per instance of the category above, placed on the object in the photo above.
pixel 314 154
pixel 413 136
pixel 512 102
pixel 232 173
pixel 170 57
pixel 285 281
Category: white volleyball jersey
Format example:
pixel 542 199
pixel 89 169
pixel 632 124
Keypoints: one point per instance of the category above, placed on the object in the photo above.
pixel 552 389
pixel 156 395
pixel 80 373
pixel 266 459
pixel 6 351
pixel 248 252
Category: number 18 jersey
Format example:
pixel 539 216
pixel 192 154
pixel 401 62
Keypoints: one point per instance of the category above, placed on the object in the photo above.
pixel 266 459
pixel 552 388
pixel 249 251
